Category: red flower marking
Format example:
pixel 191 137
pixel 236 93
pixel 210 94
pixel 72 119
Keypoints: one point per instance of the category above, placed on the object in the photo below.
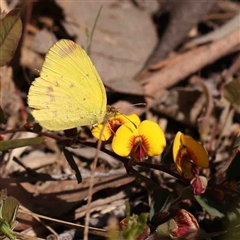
pixel 115 123
pixel 188 227
pixel 140 146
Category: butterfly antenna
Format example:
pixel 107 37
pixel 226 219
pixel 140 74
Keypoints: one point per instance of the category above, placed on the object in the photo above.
pixel 91 183
pixel 135 104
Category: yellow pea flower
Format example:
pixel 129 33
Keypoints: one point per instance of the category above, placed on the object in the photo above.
pixel 139 141
pixel 188 154
pixel 112 125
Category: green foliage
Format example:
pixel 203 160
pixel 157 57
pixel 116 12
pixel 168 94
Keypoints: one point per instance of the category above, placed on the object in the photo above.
pixel 210 203
pixel 8 210
pixel 163 230
pixel 135 225
pixel 17 143
pixel 10 33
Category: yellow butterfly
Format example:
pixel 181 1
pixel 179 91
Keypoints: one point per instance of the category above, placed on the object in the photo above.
pixel 69 92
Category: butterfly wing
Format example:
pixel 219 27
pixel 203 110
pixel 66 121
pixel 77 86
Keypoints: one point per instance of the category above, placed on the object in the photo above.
pixel 69 91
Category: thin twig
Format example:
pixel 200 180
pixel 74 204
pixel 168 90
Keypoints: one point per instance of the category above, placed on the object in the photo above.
pixel 92 32
pixel 91 183
pixel 95 231
pixel 40 221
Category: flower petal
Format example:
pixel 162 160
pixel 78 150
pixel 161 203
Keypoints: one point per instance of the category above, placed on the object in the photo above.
pixel 131 118
pixel 185 168
pixel 196 151
pixel 188 227
pixel 176 147
pixel 121 143
pixel 98 130
pixel 154 135
pixel 199 185
pixel 113 124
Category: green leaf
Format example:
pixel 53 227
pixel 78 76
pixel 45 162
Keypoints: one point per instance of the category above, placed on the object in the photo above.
pixel 210 203
pixel 160 199
pixel 73 165
pixel 17 143
pixel 10 33
pixel 163 231
pixel 135 226
pixel 233 171
pixel 128 210
pixel 8 210
pixel 232 91
pixel 5 230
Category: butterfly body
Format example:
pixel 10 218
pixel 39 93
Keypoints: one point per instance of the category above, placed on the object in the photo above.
pixel 69 92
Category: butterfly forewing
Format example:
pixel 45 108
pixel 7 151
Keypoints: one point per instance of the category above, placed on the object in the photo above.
pixel 69 91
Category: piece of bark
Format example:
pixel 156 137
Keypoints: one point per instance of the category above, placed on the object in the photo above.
pixel 125 86
pixel 219 33
pixel 229 6
pixel 123 38
pixel 185 15
pixel 62 192
pixel 188 63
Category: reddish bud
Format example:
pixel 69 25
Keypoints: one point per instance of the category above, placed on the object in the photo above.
pixel 198 185
pixel 187 226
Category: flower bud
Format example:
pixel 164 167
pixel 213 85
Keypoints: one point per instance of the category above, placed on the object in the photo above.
pixel 187 226
pixel 198 185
